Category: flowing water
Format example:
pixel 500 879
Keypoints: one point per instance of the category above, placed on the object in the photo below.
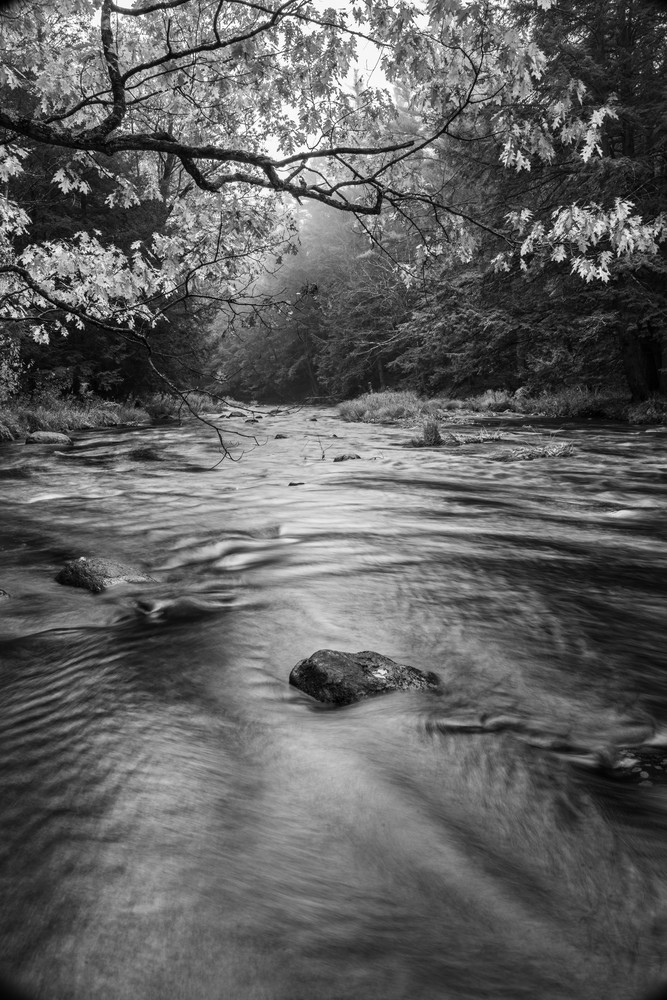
pixel 177 821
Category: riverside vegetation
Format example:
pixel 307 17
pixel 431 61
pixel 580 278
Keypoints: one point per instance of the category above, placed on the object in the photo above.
pixel 484 211
pixel 49 412
pixel 406 408
pixel 573 403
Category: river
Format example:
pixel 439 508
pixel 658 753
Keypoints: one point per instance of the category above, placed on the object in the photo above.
pixel 177 821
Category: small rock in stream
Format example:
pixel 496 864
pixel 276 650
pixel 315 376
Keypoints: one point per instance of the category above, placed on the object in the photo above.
pixel 281 437
pixel 48 437
pixel 98 574
pixel 644 764
pixel 346 458
pixel 338 678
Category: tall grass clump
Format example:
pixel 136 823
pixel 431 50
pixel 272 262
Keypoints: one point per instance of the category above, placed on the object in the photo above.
pixel 573 402
pixel 493 400
pixel 431 436
pixel 383 407
pixel 163 404
pixel 376 407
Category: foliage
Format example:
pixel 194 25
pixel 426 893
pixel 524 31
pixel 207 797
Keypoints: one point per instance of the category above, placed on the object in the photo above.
pixel 57 414
pixel 651 411
pixel 211 114
pixel 10 367
pixel 496 172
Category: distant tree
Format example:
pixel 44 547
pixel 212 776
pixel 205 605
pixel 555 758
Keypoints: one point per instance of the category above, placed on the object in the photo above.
pixel 579 294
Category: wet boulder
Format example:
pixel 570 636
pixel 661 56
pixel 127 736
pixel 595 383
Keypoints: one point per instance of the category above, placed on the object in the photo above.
pixel 47 437
pixel 330 675
pixel 98 574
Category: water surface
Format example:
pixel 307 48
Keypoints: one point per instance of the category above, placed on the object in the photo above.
pixel 176 820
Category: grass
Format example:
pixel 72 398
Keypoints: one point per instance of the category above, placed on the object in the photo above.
pixel 528 453
pixel 431 436
pixel 387 407
pixel 575 402
pixel 477 437
pixel 162 405
pixel 21 417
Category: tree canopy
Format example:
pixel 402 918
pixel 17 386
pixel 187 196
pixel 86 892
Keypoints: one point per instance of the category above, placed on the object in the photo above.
pixel 185 132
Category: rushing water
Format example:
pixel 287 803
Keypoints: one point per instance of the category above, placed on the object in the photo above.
pixel 177 821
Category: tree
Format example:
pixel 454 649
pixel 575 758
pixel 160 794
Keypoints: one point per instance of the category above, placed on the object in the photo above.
pixel 220 111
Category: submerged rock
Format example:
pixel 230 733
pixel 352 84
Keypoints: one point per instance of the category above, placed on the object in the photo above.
pixel 98 574
pixel 339 678
pixel 145 453
pixel 47 437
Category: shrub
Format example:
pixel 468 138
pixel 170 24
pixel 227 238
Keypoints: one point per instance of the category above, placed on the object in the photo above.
pixel 493 399
pixel 651 411
pixel 381 407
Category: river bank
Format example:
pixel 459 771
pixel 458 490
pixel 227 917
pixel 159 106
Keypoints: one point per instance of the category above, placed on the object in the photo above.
pixel 395 406
pixel 19 418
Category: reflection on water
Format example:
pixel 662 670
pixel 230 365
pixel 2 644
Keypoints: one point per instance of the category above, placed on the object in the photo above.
pixel 177 821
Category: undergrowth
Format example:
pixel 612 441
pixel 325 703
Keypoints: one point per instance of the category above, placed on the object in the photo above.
pixel 161 405
pixel 572 403
pixel 21 417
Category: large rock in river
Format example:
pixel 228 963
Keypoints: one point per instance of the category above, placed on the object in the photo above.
pixel 343 678
pixel 98 574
